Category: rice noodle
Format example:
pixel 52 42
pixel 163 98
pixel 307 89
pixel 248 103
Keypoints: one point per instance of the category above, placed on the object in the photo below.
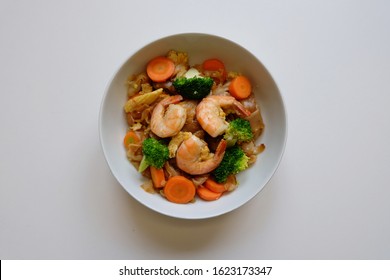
pixel 170 170
pixel 148 186
pixel 221 89
pixel 231 183
pixel 256 121
pixel 200 179
pixel 134 83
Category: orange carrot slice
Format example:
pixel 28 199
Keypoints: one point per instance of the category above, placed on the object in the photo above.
pixel 179 189
pixel 160 69
pixel 214 64
pixel 214 186
pixel 206 194
pixel 240 87
pixel 130 138
pixel 158 177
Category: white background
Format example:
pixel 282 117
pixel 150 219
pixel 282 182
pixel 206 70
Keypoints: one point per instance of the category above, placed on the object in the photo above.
pixel 329 199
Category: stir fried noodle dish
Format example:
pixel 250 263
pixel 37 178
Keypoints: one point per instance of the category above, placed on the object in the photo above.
pixel 191 128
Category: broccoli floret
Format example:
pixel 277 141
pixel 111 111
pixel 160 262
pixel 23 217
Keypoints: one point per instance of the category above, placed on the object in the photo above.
pixel 193 88
pixel 233 162
pixel 155 153
pixel 239 130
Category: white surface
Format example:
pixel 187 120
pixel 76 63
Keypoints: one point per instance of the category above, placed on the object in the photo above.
pixel 329 197
pixel 198 46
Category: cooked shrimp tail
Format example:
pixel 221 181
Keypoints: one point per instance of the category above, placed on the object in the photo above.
pixel 220 151
pixel 168 117
pixel 194 157
pixel 241 110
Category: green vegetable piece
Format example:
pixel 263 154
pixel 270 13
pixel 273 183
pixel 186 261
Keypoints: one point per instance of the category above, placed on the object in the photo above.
pixel 155 153
pixel 239 130
pixel 233 162
pixel 193 88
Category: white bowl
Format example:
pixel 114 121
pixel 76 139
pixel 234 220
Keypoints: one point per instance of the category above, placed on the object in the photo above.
pixel 112 123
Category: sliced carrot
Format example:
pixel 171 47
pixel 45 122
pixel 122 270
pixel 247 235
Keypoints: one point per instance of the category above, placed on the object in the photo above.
pixel 158 177
pixel 179 189
pixel 206 194
pixel 160 69
pixel 214 186
pixel 240 87
pixel 131 138
pixel 214 64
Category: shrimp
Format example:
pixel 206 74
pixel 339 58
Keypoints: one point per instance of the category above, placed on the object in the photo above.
pixel 194 157
pixel 168 118
pixel 191 124
pixel 211 116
